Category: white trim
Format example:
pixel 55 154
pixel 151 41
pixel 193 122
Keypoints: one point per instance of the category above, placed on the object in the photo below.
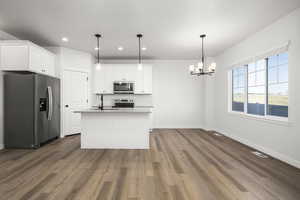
pixel 268 151
pixel 264 54
pixel 76 70
pixel 1 146
pixel 269 119
pixel 229 102
pixel 88 72
pixel 179 127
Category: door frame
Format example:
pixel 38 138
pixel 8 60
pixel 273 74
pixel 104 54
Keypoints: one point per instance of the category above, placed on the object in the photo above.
pixel 88 72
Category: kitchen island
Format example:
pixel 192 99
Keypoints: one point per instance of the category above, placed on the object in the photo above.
pixel 115 128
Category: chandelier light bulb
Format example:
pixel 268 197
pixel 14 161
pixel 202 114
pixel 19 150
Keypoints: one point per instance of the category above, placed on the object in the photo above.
pixel 213 66
pixel 200 65
pixel 192 68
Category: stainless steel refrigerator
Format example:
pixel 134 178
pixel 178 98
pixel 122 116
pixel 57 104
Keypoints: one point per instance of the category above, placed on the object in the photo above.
pixel 31 109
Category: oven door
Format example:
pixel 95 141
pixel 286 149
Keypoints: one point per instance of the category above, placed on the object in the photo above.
pixel 123 87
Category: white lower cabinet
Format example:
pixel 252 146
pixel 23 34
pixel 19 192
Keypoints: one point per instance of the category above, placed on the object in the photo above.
pixel 20 55
pixel 104 78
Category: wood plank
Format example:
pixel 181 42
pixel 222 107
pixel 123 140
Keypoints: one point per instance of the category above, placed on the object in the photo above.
pixel 180 164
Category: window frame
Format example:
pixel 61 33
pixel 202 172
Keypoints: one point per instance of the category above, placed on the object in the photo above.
pixel 245 113
pixel 245 88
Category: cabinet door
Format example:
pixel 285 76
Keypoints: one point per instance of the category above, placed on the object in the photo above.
pixel 139 81
pixel 118 72
pixel 147 79
pixel 108 81
pixel 37 57
pixel 14 57
pixel 130 72
pixel 49 64
pixel 98 82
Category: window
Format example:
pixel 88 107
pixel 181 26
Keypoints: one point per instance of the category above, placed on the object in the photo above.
pixel 261 87
pixel 257 87
pixel 278 85
pixel 238 89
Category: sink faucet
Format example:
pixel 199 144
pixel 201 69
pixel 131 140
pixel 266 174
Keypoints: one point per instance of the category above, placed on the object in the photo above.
pixel 101 102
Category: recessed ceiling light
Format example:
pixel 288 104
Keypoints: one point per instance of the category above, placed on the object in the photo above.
pixel 144 48
pixel 120 48
pixel 65 39
pixel 96 48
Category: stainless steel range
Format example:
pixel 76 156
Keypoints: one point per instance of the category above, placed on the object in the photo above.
pixel 124 103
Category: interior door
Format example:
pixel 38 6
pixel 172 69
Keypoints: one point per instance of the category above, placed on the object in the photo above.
pixel 75 97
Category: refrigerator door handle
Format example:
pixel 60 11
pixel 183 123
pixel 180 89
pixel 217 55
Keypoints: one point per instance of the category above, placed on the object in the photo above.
pixel 50 99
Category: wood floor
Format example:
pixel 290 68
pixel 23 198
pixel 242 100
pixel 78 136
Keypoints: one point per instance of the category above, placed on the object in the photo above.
pixel 181 164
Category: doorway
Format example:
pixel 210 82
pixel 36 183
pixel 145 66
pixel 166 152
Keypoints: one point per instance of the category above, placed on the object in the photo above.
pixel 75 97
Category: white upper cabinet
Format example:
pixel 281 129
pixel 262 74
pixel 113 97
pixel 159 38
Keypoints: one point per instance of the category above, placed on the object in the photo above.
pixel 104 78
pixel 108 86
pixel 147 79
pixel 19 55
pixel 139 82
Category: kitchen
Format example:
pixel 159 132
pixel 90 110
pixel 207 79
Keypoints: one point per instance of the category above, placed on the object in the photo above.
pixel 121 84
pixel 149 100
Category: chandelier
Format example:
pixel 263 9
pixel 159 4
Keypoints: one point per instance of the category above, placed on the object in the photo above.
pixel 202 68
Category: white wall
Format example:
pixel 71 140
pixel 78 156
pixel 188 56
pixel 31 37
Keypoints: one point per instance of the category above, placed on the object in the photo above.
pixel 278 139
pixel 71 59
pixel 6 36
pixel 177 96
pixel 3 36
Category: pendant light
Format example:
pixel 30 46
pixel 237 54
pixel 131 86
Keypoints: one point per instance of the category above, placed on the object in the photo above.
pixel 140 65
pixel 98 65
pixel 201 68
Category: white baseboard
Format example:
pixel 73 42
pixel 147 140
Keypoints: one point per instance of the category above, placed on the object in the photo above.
pixel 178 127
pixel 1 146
pixel 275 154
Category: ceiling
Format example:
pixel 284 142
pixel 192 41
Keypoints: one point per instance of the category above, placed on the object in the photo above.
pixel 171 28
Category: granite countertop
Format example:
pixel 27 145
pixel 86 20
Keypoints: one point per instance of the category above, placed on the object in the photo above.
pixel 138 109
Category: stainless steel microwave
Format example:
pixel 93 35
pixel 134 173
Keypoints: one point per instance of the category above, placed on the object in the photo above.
pixel 123 87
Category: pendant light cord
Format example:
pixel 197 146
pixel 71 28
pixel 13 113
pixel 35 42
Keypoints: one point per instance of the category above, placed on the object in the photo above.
pixel 139 50
pixel 98 56
pixel 202 51
pixel 139 36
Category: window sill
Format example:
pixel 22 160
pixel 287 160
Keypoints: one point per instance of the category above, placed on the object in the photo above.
pixel 268 119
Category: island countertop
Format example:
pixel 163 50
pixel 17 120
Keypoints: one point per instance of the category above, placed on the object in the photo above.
pixel 117 110
pixel 115 128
